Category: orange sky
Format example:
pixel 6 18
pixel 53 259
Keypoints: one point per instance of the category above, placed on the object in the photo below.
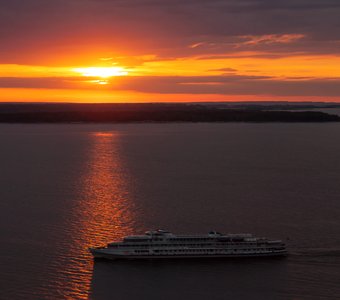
pixel 106 52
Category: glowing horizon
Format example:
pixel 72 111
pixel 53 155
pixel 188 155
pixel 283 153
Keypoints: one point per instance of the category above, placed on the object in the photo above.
pixel 101 72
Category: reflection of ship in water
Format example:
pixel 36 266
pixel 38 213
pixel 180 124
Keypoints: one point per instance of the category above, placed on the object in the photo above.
pixel 103 208
pixel 162 244
pixel 192 279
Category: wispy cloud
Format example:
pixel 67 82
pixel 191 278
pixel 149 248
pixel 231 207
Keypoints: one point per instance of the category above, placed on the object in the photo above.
pixel 196 45
pixel 271 39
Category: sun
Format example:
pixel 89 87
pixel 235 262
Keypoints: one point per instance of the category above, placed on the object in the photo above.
pixel 101 72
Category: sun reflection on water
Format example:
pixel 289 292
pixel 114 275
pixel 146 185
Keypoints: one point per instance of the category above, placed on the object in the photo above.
pixel 103 213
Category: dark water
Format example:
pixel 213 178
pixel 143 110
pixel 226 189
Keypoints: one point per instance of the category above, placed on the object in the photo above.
pixel 64 188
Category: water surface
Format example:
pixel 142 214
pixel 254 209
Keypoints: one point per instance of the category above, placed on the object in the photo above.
pixel 65 188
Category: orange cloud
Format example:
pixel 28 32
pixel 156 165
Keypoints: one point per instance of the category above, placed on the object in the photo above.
pixel 271 39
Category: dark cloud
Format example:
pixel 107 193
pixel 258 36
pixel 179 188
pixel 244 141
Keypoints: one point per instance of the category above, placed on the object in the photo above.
pixel 39 30
pixel 233 85
pixel 45 82
pixel 224 70
pixel 223 85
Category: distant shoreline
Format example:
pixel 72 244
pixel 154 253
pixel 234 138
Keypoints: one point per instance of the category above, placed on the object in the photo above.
pixel 161 113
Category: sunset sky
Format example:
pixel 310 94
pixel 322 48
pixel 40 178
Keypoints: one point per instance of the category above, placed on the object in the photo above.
pixel 169 50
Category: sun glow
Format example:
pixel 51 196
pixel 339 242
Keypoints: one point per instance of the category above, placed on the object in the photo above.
pixel 102 72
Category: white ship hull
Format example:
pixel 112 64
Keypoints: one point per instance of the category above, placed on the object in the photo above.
pixel 98 253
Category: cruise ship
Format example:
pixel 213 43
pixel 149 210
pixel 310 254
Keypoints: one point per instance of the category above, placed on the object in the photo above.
pixel 161 244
